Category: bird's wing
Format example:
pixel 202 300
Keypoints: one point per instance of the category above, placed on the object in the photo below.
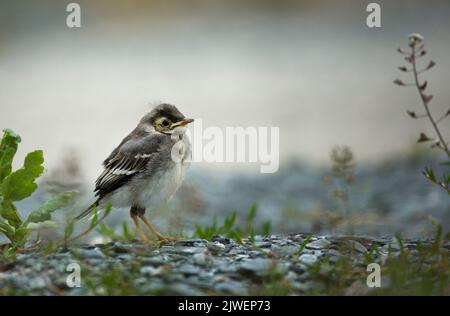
pixel 130 159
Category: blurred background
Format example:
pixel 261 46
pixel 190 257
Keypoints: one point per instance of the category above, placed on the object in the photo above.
pixel 312 68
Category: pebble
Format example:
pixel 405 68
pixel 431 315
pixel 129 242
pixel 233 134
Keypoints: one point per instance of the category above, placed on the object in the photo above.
pixel 357 246
pixel 308 258
pixel 263 244
pixel 187 269
pixel 216 247
pixel 37 283
pixel 202 258
pixel 319 244
pixel 232 288
pixel 150 270
pixel 257 266
pixel 94 253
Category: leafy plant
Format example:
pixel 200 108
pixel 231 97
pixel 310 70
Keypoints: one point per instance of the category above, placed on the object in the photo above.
pixel 18 185
pixel 109 232
pixel 340 179
pixel 444 182
pixel 230 229
pixel 95 221
pixel 416 51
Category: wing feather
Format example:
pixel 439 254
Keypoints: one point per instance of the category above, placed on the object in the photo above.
pixel 128 160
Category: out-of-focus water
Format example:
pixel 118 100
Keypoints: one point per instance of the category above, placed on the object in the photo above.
pixel 313 69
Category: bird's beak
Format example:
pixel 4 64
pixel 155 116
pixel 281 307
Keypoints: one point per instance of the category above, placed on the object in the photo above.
pixel 183 122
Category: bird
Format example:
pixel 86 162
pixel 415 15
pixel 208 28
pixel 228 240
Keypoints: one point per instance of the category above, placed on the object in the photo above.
pixel 146 168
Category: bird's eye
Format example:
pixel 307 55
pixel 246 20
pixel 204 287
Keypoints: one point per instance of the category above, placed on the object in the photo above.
pixel 165 123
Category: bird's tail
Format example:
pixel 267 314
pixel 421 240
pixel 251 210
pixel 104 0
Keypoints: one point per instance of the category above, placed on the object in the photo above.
pixel 88 211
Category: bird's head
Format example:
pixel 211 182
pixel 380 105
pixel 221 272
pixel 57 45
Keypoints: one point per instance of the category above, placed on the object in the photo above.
pixel 165 118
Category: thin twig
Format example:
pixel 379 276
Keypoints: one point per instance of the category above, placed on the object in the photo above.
pixel 425 103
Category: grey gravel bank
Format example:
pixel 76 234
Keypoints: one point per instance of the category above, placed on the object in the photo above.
pixel 266 265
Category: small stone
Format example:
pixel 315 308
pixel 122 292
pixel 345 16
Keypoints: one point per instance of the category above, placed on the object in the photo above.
pixel 231 287
pixel 308 259
pixel 334 252
pixel 216 247
pixel 184 289
pixel 357 246
pixel 284 251
pixel 157 260
pixel 202 259
pixel 186 269
pixel 149 270
pixel 95 262
pixel 22 257
pixel 191 242
pixel 298 238
pixel 291 276
pixel 119 247
pixel 319 244
pixel 125 257
pixel 37 283
pixel 181 250
pixel 223 240
pixel 258 266
pixel 263 244
pixel 94 253
pixel 259 238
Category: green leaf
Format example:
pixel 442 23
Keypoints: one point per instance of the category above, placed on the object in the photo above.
pixel 8 148
pixel 251 214
pixel 126 232
pixel 9 212
pixel 43 225
pixel 68 230
pixel 9 252
pixel 303 244
pixel 21 183
pixel 437 240
pixel 229 221
pixel 20 236
pixel 430 174
pixel 266 228
pixel 94 218
pixel 44 212
pixel 7 230
pixel 106 231
pixel 107 209
pixel 236 235
pixel 400 243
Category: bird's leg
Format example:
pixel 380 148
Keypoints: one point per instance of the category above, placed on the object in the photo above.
pixel 134 216
pixel 154 230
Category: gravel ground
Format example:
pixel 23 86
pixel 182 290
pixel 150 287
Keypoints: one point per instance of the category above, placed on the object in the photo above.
pixel 269 265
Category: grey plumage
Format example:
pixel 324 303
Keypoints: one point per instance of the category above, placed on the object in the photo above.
pixel 140 172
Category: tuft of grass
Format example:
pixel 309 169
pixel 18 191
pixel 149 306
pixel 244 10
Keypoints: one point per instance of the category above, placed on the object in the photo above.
pixel 303 245
pixel 230 229
pixel 112 280
pixel 273 283
pixel 423 270
pixel 110 233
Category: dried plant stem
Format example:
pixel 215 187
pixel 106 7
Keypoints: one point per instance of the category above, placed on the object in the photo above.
pixel 425 103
